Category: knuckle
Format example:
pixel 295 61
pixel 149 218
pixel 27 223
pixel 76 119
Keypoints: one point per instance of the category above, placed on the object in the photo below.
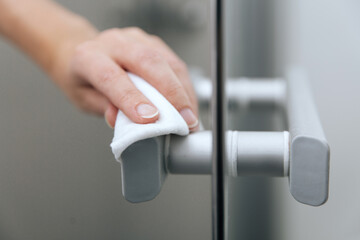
pixel 174 92
pixel 135 31
pixel 111 39
pixel 84 48
pixel 109 35
pixel 129 95
pixel 110 32
pixel 178 65
pixel 107 75
pixel 156 39
pixel 149 57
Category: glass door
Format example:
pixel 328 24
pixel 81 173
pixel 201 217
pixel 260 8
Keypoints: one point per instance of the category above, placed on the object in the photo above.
pixel 243 43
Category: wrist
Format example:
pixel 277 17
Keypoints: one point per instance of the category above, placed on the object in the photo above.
pixel 60 53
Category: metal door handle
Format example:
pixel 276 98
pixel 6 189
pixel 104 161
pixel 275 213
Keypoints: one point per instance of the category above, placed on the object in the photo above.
pixel 309 150
pixel 302 153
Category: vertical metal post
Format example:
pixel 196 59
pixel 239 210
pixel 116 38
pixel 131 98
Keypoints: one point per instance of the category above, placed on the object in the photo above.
pixel 218 112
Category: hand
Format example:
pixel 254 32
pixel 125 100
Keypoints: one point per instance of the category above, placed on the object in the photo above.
pixel 93 75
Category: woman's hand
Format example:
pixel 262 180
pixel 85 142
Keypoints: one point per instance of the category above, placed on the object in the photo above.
pixel 93 75
pixel 91 67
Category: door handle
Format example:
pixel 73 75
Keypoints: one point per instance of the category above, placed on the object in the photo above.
pixel 301 153
pixel 309 150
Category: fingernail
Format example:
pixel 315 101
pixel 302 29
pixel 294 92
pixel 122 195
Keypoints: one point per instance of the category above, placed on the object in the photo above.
pixel 189 117
pixel 108 124
pixel 147 111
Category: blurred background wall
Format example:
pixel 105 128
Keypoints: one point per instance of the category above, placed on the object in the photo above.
pixel 58 178
pixel 324 37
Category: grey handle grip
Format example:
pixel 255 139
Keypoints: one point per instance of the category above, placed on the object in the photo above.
pixel 309 150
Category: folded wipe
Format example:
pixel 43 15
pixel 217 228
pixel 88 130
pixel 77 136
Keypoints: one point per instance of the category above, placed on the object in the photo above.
pixel 127 132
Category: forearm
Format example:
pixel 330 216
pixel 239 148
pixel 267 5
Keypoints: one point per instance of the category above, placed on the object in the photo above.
pixel 42 29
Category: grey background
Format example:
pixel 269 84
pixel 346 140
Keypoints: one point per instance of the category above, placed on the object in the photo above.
pixel 324 37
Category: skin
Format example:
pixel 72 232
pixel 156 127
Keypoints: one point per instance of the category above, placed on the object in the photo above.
pixel 90 66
